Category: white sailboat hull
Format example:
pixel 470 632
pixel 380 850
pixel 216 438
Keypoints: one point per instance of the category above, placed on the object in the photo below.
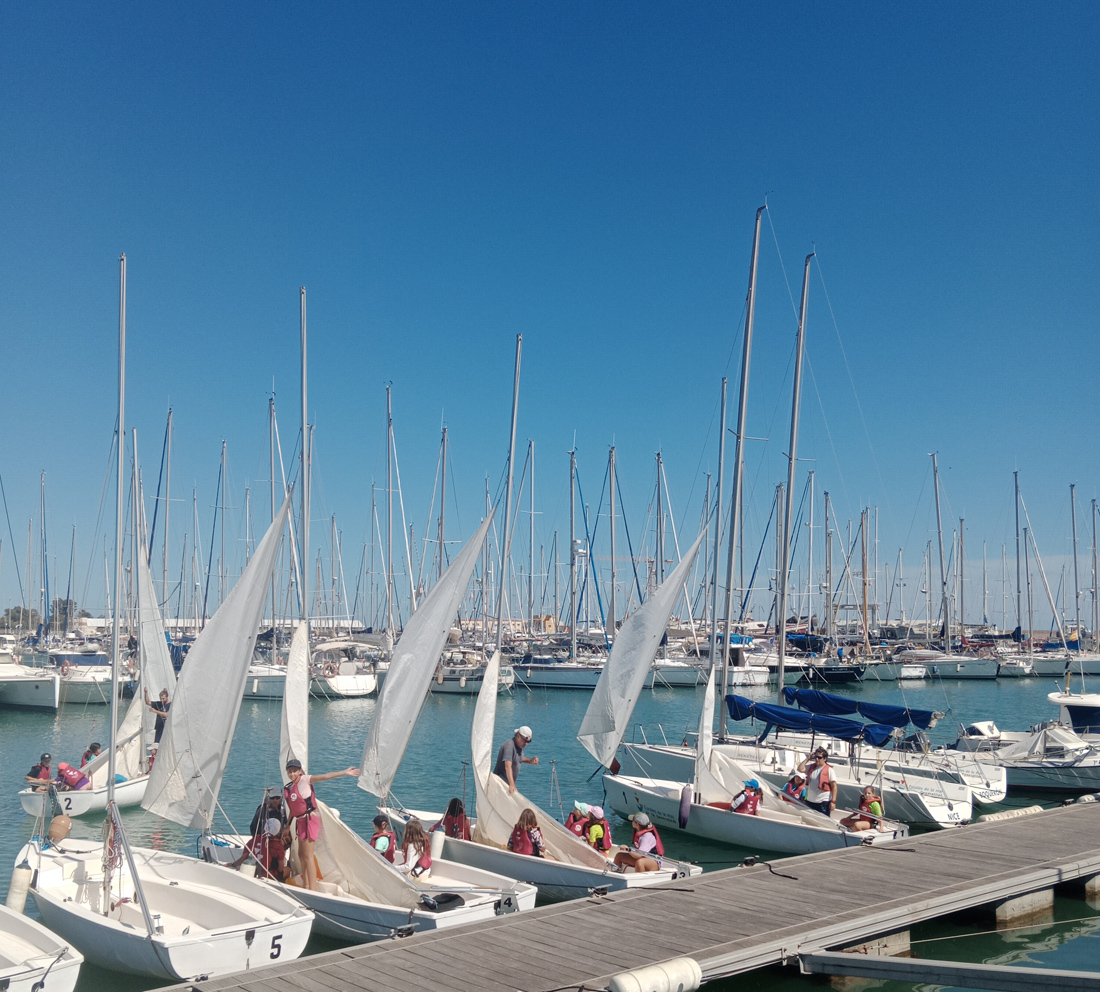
pixel 20 686
pixel 212 921
pixel 343 686
pixel 769 830
pixel 86 685
pixel 265 682
pixel 32 959
pixel 82 801
pixel 557 675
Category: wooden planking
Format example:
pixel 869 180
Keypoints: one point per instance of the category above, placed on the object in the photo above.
pixel 749 913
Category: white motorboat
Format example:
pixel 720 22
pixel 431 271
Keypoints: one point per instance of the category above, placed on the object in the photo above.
pixel 28 687
pixel 265 681
pixel 82 685
pixel 675 673
pixel 32 959
pixel 1015 668
pixel 342 670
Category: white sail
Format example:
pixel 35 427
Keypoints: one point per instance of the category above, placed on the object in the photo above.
pixel 498 810
pixel 705 743
pixel 294 733
pixel 414 660
pixel 623 677
pixel 187 773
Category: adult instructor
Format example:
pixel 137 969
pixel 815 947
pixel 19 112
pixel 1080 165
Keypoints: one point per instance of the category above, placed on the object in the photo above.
pixel 510 757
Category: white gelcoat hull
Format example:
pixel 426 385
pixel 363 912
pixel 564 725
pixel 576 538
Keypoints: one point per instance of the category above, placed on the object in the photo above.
pixel 29 687
pixel 954 667
pixel 265 682
pixel 558 676
pixel 32 959
pixel 82 801
pixel 344 686
pixel 86 686
pixel 232 923
pixel 768 830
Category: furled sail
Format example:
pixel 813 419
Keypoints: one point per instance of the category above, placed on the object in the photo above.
pixel 414 660
pixel 498 810
pixel 628 665
pixel 187 774
pixel 294 733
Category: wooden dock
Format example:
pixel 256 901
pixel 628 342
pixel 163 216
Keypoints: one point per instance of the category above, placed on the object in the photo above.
pixel 730 921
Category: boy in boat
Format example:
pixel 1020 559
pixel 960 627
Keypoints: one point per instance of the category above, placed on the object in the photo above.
pixel 39 775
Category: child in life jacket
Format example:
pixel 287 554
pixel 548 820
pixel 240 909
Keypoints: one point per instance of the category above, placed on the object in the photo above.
pixel 455 822
pixel 70 779
pixel 301 803
pixel 39 775
pixel 597 831
pixel 796 787
pixel 526 836
pixel 869 815
pixel 384 840
pixel 417 850
pixel 646 843
pixel 577 817
pixel 748 799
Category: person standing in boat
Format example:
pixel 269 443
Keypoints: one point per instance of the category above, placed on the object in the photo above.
pixel 161 708
pixel 301 802
pixel 820 783
pixel 510 757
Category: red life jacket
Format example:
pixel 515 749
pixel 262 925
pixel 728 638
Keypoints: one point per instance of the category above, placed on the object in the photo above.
pixel 865 807
pixel 389 851
pixel 749 804
pixel 455 826
pixel 297 803
pixel 660 848
pixel 575 823
pixel 520 841
pixel 424 862
pixel 74 778
pixel 604 843
pixel 43 772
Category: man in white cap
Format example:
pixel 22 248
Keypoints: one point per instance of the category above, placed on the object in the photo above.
pixel 510 757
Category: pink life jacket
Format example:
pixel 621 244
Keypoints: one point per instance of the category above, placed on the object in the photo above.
pixel 424 862
pixel 455 826
pixel 74 777
pixel 298 803
pixel 575 823
pixel 520 841
pixel 660 848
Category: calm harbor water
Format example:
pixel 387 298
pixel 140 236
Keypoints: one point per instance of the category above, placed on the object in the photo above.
pixel 436 768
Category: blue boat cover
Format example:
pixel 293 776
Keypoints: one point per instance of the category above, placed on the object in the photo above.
pixel 823 702
pixel 741 708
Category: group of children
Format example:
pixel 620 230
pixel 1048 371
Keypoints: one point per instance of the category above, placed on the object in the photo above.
pixel 68 778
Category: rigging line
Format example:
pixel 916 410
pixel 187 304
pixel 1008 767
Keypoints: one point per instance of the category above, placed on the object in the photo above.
pixel 855 394
pixel 156 502
pixel 629 547
pixel 98 519
pixel 828 432
pixel 790 295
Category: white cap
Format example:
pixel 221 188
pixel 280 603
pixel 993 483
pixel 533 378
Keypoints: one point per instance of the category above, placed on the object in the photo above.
pixel 524 732
pixel 274 826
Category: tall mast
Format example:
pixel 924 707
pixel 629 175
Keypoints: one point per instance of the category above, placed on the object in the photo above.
pixel 1095 583
pixel 928 594
pixel 531 550
pixel 167 507
pixel 389 507
pixel 1019 605
pixel 505 550
pixel 271 453
pixel 792 457
pixel 828 598
pixel 120 443
pixel 573 554
pixel 943 569
pixel 962 584
pixel 305 468
pixel 717 544
pixel 613 613
pixel 738 462
pixel 442 503
pixel 810 565
pixel 1076 590
pixel 224 566
pixel 660 570
pixel 866 617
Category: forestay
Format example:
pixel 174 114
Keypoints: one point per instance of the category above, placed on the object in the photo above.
pixel 294 732
pixel 187 774
pixel 624 675
pixel 498 810
pixel 414 660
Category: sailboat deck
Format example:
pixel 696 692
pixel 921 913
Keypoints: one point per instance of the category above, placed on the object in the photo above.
pixel 731 921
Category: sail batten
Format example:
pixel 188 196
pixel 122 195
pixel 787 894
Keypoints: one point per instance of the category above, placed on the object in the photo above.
pixel 629 663
pixel 412 664
pixel 187 774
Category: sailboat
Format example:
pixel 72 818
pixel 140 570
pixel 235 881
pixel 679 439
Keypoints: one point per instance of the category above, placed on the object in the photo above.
pixel 154 913
pixel 361 895
pixel 32 959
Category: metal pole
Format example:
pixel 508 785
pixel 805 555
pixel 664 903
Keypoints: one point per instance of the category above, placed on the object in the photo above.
pixel 167 508
pixel 943 571
pixel 305 469
pixel 612 628
pixel 828 576
pixel 442 503
pixel 389 508
pixel 531 550
pixel 508 498
pixel 120 445
pixel 1076 590
pixel 572 554
pixel 717 544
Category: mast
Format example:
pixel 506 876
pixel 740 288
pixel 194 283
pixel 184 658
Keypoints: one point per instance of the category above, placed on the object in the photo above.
pixel 866 617
pixel 572 554
pixel 120 445
pixel 222 564
pixel 305 465
pixel 167 507
pixel 389 508
pixel 810 565
pixel 1095 583
pixel 717 544
pixel 442 504
pixel 1076 591
pixel 504 551
pixel 792 457
pixel 610 635
pixel 828 575
pixel 1019 606
pixel 943 572
pixel 531 549
pixel 660 570
pixel 738 462
pixel 962 585
pixel 271 452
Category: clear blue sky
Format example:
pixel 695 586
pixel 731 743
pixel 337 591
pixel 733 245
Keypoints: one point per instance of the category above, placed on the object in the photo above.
pixel 443 176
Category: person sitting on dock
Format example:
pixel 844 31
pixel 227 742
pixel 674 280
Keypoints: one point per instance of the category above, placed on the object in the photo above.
pixel 300 800
pixel 455 822
pixel 577 817
pixel 747 801
pixel 93 752
pixel 526 836
pixel 510 757
pixel 384 840
pixel 417 850
pixel 39 775
pixel 820 784
pixel 70 779
pixel 869 814
pixel 597 831
pixel 795 788
pixel 645 841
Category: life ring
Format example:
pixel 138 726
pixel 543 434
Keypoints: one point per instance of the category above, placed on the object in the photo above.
pixel 330 669
pixel 65 668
